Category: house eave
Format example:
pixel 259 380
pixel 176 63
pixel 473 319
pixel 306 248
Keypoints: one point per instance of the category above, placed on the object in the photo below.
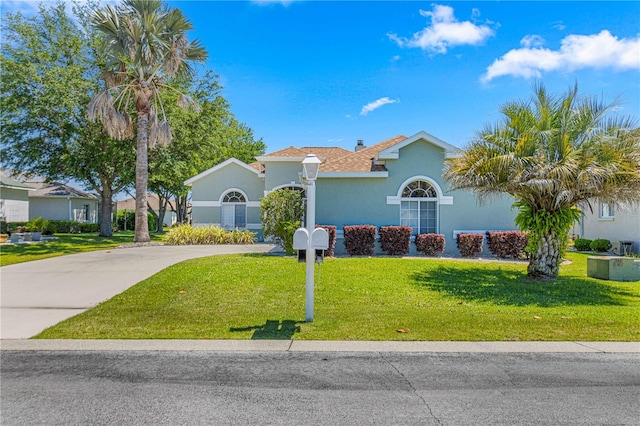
pixel 332 175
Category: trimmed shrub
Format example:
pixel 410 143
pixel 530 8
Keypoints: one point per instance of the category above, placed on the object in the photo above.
pixel 582 244
pixel 331 229
pixel 66 226
pixel 126 221
pixel 600 244
pixel 469 244
pixel 88 228
pixel 395 240
pixel 359 240
pixel 508 244
pixel 185 234
pixel 430 244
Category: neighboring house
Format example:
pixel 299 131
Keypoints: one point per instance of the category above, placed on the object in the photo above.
pixel 152 200
pixel 14 199
pixel 57 201
pixel 395 182
pixel 614 222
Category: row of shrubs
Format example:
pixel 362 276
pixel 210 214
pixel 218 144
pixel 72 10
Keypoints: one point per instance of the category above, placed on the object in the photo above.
pixel 585 244
pixel 49 227
pixel 359 240
pixel 185 234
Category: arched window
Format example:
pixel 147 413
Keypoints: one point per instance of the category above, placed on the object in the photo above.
pixel 234 210
pixel 419 207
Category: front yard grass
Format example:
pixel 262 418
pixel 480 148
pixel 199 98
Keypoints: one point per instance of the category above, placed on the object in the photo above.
pixel 63 245
pixel 262 297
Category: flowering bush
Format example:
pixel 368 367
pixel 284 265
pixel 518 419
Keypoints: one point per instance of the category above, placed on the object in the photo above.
pixel 430 244
pixel 509 244
pixel 470 244
pixel 331 229
pixel 395 240
pixel 360 240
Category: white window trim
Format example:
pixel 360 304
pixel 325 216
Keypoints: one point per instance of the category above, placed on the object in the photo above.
pixel 441 199
pixel 608 218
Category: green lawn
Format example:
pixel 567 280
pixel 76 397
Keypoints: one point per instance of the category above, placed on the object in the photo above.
pixel 262 297
pixel 64 244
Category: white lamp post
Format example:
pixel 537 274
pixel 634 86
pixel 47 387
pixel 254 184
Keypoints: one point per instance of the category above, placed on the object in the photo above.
pixel 311 166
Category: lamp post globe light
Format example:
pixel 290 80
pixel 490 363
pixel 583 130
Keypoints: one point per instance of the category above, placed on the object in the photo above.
pixel 311 166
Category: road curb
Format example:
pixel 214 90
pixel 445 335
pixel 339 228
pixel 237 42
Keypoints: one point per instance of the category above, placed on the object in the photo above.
pixel 317 346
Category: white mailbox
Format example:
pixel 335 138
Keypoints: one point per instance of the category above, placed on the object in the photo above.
pixel 319 239
pixel 301 239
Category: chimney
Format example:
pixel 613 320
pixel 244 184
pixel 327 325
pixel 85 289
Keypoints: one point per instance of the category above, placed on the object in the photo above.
pixel 360 146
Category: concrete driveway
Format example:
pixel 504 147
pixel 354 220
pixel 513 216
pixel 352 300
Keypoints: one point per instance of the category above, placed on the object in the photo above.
pixel 37 295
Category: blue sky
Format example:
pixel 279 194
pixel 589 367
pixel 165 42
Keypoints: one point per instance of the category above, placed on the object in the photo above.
pixel 326 73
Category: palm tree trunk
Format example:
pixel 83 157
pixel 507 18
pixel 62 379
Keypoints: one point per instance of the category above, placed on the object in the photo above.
pixel 142 169
pixel 106 208
pixel 544 262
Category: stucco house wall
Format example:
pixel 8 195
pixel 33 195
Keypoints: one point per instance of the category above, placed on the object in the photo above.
pixel 622 224
pixel 14 204
pixel 355 188
pixel 64 208
pixel 210 187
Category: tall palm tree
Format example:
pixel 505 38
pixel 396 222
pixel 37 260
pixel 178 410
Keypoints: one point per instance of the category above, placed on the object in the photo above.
pixel 145 44
pixel 553 154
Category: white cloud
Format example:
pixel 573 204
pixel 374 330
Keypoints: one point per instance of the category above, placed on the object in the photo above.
pixel 371 106
pixel 601 50
pixel 445 31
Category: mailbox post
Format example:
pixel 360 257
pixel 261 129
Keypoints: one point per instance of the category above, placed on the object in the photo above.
pixel 311 166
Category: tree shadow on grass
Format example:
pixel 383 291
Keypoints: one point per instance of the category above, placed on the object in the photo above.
pixel 504 287
pixel 272 330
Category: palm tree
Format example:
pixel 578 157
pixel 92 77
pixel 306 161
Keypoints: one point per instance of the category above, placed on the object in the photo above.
pixel 144 44
pixel 553 154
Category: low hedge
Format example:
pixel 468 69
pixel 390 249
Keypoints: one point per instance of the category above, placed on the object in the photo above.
pixel 331 229
pixel 360 240
pixel 395 240
pixel 187 235
pixel 582 244
pixel 600 244
pixel 508 244
pixel 430 244
pixel 469 245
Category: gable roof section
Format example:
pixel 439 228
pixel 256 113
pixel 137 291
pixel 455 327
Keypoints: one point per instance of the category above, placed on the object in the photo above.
pixel 152 200
pixel 360 161
pixel 10 183
pixel 217 167
pixel 56 189
pixel 393 151
pixel 293 154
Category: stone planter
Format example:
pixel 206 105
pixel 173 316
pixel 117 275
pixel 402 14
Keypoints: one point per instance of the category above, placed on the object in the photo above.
pixel 36 236
pixel 3 238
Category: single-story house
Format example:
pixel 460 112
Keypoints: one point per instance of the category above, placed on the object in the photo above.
pixel 14 199
pixel 396 182
pixel 618 223
pixel 57 201
pixel 153 201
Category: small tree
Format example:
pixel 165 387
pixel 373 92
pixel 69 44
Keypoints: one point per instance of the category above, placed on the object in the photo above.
pixel 282 213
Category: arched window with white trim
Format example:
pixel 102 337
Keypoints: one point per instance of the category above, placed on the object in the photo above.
pixel 419 207
pixel 234 210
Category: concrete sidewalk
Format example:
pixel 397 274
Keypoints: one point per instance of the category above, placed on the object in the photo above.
pixel 36 295
pixel 318 346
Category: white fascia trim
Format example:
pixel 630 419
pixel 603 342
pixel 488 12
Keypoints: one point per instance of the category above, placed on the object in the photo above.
pixel 393 152
pixel 353 175
pixel 253 204
pixel 214 169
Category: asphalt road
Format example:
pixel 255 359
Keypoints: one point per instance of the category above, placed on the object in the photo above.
pixel 318 388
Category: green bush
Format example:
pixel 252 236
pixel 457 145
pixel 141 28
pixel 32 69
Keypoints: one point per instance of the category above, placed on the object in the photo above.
pixel 65 226
pixel 600 244
pixel 187 235
pixel 126 221
pixel 582 244
pixel 282 212
pixel 88 228
pixel 4 227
